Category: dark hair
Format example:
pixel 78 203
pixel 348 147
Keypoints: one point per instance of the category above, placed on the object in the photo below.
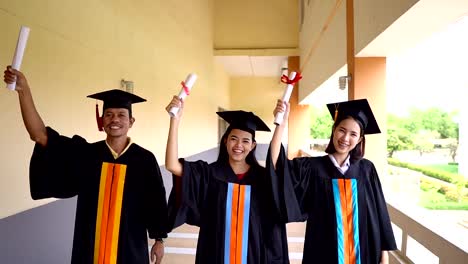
pixel 223 155
pixel 358 151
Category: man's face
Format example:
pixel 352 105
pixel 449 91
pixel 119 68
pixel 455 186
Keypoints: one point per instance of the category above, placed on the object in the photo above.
pixel 117 122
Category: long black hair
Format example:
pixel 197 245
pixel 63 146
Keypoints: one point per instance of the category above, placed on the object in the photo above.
pixel 358 151
pixel 223 155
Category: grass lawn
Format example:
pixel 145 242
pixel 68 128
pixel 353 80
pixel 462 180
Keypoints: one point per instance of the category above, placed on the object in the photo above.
pixel 433 200
pixel 452 168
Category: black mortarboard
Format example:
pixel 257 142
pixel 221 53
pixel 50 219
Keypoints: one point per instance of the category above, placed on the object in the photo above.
pixel 358 109
pixel 115 99
pixel 243 120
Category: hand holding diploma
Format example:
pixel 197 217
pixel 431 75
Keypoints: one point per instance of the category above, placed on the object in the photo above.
pixel 293 79
pixel 19 52
pixel 184 92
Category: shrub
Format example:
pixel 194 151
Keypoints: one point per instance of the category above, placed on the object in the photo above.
pixel 438 174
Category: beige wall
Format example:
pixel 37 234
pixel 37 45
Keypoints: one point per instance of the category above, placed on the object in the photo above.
pixel 79 48
pixel 256 24
pixel 259 95
pixel 324 39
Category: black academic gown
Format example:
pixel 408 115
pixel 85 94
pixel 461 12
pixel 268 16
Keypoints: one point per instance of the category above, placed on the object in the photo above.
pixel 211 197
pixel 119 200
pixel 346 214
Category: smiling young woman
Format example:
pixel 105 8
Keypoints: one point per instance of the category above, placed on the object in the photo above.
pixel 339 194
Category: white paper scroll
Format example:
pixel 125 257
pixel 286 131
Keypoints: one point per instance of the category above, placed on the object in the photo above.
pixel 286 96
pixel 19 52
pixel 189 81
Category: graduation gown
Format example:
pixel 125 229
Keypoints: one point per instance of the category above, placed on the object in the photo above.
pixel 347 218
pixel 237 219
pixel 119 200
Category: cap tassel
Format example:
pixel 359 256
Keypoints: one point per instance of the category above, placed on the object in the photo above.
pixel 99 119
pixel 336 113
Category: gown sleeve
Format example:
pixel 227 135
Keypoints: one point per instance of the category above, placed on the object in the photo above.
pixel 188 194
pixel 290 182
pixel 155 199
pixel 54 170
pixel 387 239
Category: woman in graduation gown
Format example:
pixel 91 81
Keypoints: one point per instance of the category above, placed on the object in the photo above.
pixel 339 194
pixel 228 199
pixel 120 194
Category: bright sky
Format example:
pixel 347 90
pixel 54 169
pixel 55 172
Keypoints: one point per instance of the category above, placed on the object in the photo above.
pixel 432 74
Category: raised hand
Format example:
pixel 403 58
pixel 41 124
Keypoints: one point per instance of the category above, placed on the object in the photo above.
pixel 11 75
pixel 176 102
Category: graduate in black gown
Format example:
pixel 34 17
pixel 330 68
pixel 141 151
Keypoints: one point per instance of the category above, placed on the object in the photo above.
pixel 229 199
pixel 120 194
pixel 339 194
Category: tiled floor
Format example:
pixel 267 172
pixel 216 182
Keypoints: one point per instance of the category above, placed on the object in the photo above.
pixel 181 245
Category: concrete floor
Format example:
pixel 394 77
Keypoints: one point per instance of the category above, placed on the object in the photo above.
pixel 181 245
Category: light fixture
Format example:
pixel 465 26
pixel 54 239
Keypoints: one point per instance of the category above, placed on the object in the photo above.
pixel 126 85
pixel 343 82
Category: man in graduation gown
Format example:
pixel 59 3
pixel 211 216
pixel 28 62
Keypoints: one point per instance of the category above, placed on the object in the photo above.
pixel 339 194
pixel 229 199
pixel 121 197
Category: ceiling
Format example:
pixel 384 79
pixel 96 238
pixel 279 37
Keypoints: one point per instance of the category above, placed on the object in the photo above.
pixel 253 66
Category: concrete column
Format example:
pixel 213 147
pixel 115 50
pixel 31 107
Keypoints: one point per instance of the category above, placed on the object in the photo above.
pixel 299 119
pixel 370 83
pixel 462 156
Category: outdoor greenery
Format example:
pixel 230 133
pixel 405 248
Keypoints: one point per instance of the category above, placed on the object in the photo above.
pixel 321 122
pixel 443 175
pixel 437 201
pixel 422 130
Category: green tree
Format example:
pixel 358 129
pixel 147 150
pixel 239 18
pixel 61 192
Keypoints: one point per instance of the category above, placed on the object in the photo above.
pixel 398 139
pixel 321 123
pixel 433 119
pixel 423 141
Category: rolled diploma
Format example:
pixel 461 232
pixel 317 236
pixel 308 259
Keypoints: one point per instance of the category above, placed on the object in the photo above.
pixel 286 96
pixel 189 81
pixel 19 52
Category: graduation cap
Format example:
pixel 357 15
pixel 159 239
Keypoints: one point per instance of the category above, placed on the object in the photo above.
pixel 115 99
pixel 358 109
pixel 243 120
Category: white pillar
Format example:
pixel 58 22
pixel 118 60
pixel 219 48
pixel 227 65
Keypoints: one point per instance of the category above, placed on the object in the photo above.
pixel 462 157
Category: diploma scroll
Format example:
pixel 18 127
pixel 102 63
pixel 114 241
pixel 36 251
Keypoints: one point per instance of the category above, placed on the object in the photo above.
pixel 286 96
pixel 184 92
pixel 19 52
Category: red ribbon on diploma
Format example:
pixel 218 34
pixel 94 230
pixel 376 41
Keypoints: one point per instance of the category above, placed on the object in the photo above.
pixel 285 79
pixel 186 89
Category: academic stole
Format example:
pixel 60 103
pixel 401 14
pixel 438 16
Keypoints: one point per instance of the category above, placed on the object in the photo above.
pixel 236 238
pixel 108 213
pixel 345 195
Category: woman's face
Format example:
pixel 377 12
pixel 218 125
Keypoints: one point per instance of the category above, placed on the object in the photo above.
pixel 239 143
pixel 346 136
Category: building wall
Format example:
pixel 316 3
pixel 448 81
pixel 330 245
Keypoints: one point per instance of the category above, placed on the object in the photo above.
pixel 79 48
pixel 259 95
pixel 256 24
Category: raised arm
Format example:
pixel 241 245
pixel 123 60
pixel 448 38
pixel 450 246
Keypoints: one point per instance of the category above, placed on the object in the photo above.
pixel 172 154
pixel 275 145
pixel 31 118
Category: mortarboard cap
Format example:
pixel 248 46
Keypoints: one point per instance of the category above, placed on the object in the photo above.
pixel 358 109
pixel 115 99
pixel 243 120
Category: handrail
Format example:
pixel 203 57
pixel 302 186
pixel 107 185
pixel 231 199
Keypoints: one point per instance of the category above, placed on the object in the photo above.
pixel 447 252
